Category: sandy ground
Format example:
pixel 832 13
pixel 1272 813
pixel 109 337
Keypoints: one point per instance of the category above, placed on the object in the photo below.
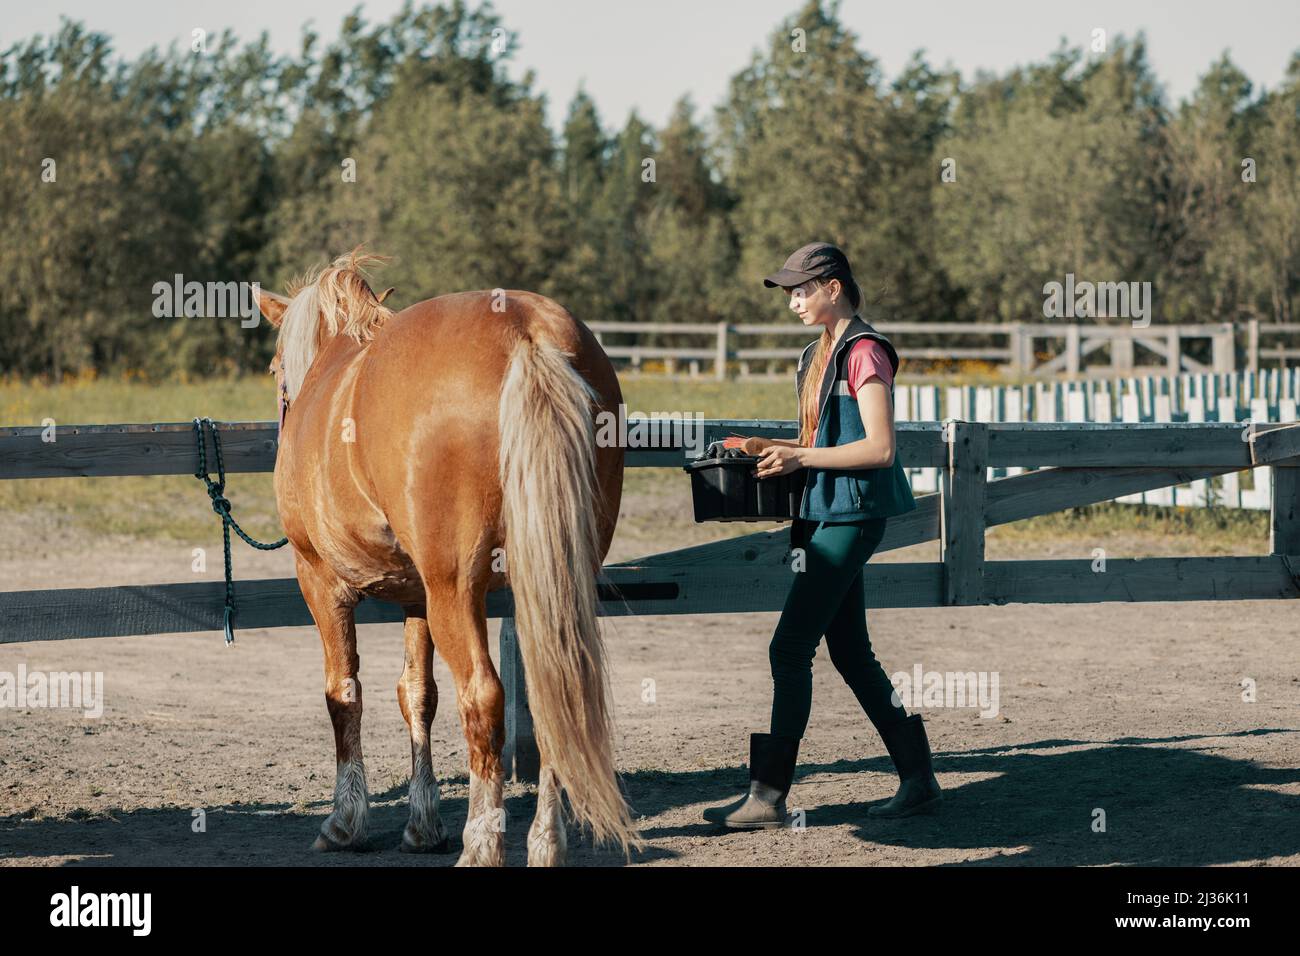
pixel 1121 735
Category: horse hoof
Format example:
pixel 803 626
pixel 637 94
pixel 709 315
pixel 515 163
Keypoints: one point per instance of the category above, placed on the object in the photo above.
pixel 442 846
pixel 326 844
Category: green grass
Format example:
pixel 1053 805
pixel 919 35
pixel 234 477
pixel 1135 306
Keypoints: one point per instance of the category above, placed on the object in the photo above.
pixel 156 507
pixel 1215 530
pixel 176 507
pixel 89 401
pixel 710 398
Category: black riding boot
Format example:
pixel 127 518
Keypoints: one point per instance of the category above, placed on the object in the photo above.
pixel 918 791
pixel 771 771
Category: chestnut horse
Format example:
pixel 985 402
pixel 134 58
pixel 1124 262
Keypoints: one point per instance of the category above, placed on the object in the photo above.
pixel 415 447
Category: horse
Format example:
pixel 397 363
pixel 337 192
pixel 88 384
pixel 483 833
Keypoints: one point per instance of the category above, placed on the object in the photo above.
pixel 427 457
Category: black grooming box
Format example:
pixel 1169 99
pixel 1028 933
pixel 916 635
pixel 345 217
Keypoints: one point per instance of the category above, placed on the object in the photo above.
pixel 723 488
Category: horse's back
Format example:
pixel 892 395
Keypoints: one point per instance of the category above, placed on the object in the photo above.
pixel 440 364
pixel 473 333
pixel 427 404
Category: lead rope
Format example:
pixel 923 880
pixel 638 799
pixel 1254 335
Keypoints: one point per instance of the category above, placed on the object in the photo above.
pixel 221 505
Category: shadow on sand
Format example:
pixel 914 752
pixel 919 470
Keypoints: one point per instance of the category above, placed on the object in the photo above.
pixel 1164 806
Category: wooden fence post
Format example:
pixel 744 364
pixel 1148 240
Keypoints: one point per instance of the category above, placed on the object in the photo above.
pixel 1028 357
pixel 519 756
pixel 1284 537
pixel 1121 354
pixel 1016 348
pixel 962 512
pixel 1073 349
pixel 1224 349
pixel 720 360
pixel 1252 345
pixel 1174 357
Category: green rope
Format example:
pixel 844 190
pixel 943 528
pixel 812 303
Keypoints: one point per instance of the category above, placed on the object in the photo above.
pixel 221 505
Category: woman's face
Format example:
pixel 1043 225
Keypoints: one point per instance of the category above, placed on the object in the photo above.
pixel 812 302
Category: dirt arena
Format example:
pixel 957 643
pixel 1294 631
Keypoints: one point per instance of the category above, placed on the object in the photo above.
pixel 1127 715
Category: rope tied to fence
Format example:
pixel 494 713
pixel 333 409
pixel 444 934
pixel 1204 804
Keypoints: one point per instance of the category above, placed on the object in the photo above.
pixel 221 505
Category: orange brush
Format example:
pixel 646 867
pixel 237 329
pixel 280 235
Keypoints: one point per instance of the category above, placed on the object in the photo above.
pixel 750 446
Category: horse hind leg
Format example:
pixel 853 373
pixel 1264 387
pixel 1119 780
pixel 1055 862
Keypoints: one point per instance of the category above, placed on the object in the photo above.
pixel 485 824
pixel 547 837
pixel 417 695
pixel 332 606
pixel 481 700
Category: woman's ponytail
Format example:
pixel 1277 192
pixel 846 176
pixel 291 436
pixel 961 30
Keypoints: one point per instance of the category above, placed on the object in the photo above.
pixel 855 294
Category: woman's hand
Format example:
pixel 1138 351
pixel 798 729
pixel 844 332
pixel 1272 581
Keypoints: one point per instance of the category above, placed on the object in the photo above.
pixel 778 460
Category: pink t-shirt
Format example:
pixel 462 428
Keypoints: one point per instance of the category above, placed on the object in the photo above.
pixel 867 358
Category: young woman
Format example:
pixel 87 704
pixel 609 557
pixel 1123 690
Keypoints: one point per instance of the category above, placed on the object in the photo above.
pixel 853 484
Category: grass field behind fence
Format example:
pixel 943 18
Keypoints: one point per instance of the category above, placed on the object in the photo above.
pixel 176 508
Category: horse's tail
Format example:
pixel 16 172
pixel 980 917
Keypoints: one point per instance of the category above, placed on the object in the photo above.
pixel 549 492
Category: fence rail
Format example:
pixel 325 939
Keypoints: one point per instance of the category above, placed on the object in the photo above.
pixel 1016 348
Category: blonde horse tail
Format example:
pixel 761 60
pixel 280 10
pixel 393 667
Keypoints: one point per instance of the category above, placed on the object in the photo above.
pixel 549 505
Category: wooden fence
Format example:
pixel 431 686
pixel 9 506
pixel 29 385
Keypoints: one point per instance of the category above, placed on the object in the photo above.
pixel 1268 395
pixel 1280 345
pixel 1079 464
pixel 1017 348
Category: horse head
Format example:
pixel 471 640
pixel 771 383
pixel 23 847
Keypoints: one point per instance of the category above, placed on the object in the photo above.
pixel 324 302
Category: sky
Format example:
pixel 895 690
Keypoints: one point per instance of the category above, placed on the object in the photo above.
pixel 645 54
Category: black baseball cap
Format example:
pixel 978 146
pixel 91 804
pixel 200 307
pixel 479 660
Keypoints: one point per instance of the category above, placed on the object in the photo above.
pixel 817 260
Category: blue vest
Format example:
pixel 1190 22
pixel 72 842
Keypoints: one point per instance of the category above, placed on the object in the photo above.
pixel 840 494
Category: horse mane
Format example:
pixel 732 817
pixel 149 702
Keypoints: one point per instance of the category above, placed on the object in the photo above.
pixel 327 301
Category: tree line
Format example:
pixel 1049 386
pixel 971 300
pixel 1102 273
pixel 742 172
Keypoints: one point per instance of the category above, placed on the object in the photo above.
pixel 956 199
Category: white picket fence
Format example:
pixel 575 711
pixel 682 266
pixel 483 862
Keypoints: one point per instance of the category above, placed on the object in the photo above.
pixel 1267 395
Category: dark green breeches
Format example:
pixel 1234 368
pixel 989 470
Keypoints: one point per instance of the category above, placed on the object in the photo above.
pixel 827 598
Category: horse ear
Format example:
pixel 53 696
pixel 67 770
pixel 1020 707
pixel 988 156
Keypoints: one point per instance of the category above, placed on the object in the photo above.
pixel 385 294
pixel 272 306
